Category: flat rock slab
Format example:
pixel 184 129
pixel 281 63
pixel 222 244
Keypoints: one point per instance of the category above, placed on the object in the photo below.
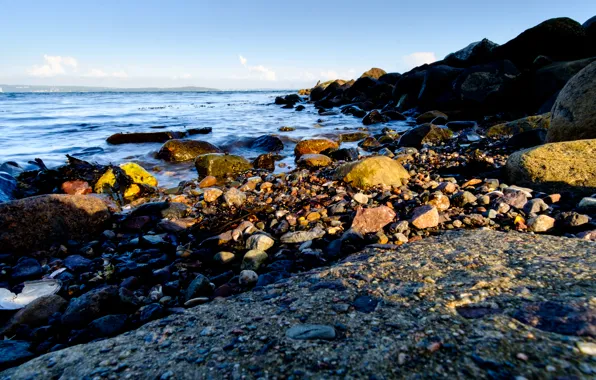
pixel 466 304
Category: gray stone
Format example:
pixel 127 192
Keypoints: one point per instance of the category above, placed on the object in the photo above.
pixel 199 287
pixel 309 332
pixel 302 236
pixel 260 242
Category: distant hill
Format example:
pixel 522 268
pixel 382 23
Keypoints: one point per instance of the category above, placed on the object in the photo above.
pixel 26 88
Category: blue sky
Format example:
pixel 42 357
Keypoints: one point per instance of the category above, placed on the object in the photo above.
pixel 247 44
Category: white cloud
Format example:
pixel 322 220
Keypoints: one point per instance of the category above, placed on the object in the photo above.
pixel 263 72
pixel 418 59
pixel 54 65
pixel 242 60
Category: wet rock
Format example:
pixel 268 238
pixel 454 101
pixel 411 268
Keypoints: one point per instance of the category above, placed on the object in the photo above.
pixel 7 186
pixel 212 194
pixel 527 139
pixel 574 115
pixel 521 125
pixel 162 210
pixel 248 278
pixel 144 137
pixel 559 318
pixel 541 223
pixel 110 325
pixel 372 171
pixel 76 187
pixel 199 287
pixel 314 161
pixel 369 144
pixel 374 117
pixel 314 146
pixel 92 305
pixel 235 197
pixel 556 167
pixel 185 150
pixel 260 242
pixel 267 144
pixel 26 269
pixel 220 165
pixel 393 115
pixel 302 236
pixel 310 332
pixel 372 220
pixel 253 259
pixel 14 352
pixel 265 161
pixel 151 312
pixel 224 257
pixel 365 304
pixel 424 134
pixel 38 222
pixel 208 181
pixel 425 217
pixel 353 136
pixel 354 111
pixel 77 263
pixel 34 314
pixel 344 154
pixel 429 116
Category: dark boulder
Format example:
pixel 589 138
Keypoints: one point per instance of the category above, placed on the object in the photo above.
pixel 265 161
pixel 267 144
pixel 92 305
pixel 374 73
pixel 437 87
pixel 426 133
pixel 390 78
pixel 185 150
pixel 561 39
pixel 408 87
pixel 475 53
pixel 144 137
pixel 590 28
pixel 343 154
pixel 353 110
pixel 374 117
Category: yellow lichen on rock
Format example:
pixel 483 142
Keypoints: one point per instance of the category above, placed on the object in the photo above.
pixel 138 174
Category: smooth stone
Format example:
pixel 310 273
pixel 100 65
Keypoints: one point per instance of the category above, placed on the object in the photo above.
pixel 91 305
pixel 235 197
pixel 372 220
pixel 199 287
pixel 185 150
pixel 541 223
pixel 220 165
pixel 425 217
pixel 372 171
pixel 248 278
pixel 314 161
pixel 26 269
pixel 224 257
pixel 302 236
pixel 314 146
pixel 260 242
pixel 212 194
pixel 310 332
pixel 253 259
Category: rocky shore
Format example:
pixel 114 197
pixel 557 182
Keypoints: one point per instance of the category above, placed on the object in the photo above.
pixel 359 262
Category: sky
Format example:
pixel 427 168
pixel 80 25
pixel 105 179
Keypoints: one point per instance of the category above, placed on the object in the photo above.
pixel 250 44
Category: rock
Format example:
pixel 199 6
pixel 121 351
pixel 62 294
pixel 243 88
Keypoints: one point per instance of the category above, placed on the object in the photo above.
pixel 235 197
pixel 76 187
pixel 514 198
pixel 314 146
pixel 267 144
pixel 365 304
pixel 372 171
pixel 535 206
pixel 393 115
pixel 527 139
pixel 144 137
pixel 26 269
pixel 212 194
pixel 14 352
pixel 224 258
pixel 310 332
pixel 185 150
pixel 561 39
pixel 437 90
pixel 440 201
pixel 8 184
pixel 265 161
pixel 541 223
pixel 199 287
pixel 302 236
pixel 369 144
pixel 372 220
pixel 92 305
pixel 425 217
pixel 574 114
pixel 110 325
pixel 555 167
pixel 354 111
pixel 345 154
pixel 35 223
pixel 521 125
pixel 220 165
pixel 390 78
pixel 248 278
pixel 259 242
pixel 425 134
pixel 109 182
pixel 162 210
pixel 475 53
pixel 314 161
pixel 374 73
pixel 429 116
pixel 587 204
pixel 253 259
pixel 208 181
pixel 353 136
pixel 461 125
pixel 463 198
pixel 374 117
pixel 77 263
pixel 34 314
pixel 151 312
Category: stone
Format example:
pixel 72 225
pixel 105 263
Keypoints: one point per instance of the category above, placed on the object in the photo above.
pixel 535 206
pixel 514 198
pixel 92 305
pixel 77 263
pixel 527 139
pixel 260 242
pixel 310 332
pixel 314 146
pixel 365 304
pixel 360 198
pixel 76 187
pixel 267 144
pixel 220 165
pixel 541 223
pixel 574 114
pixel 144 137
pixel 36 223
pixel 463 198
pixel 425 134
pixel 521 125
pixel 208 181
pixel 212 194
pixel 138 174
pixel 374 117
pixel 235 197
pixel 314 161
pixel 473 54
pixel 162 210
pixel 108 326
pixel 26 269
pixel 440 201
pixel 199 287
pixel 345 154
pixel 369 144
pixel 302 236
pixel 372 171
pixel 556 167
pixel 265 161
pixel 8 184
pixel 248 278
pixel 425 217
pixel 587 204
pixel 151 312
pixel 429 116
pixel 185 150
pixel 372 220
pixel 35 314
pixel 253 259
pixel 374 73
pixel 224 257
pixel 14 352
pixel 352 136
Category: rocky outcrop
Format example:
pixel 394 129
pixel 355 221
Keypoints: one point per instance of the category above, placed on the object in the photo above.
pixel 474 54
pixel 555 167
pixel 372 171
pixel 38 222
pixel 220 165
pixel 398 302
pixel 574 113
pixel 185 150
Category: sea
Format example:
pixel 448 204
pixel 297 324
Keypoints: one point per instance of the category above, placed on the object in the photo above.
pixel 49 126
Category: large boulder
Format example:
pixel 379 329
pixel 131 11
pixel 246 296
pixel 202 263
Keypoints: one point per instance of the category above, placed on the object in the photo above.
pixel 314 146
pixel 561 39
pixel 407 89
pixel 556 167
pixel 437 87
pixel 34 314
pixel 267 144
pixel 185 150
pixel 372 171
pixel 374 73
pixel 220 165
pixel 425 134
pixel 38 222
pixel 521 125
pixel 92 305
pixel 475 53
pixel 390 78
pixel 590 28
pixel 574 113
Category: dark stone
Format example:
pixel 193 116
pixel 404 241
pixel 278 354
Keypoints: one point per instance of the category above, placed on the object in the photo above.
pixel 390 78
pixel 457 126
pixel 558 318
pixel 144 137
pixel 475 312
pixel 161 210
pixel 528 139
pixel 267 144
pixel 426 133
pixel 365 304
pixel 199 287
pixel 26 269
pixel 437 87
pixel 271 278
pixel 300 108
pixel 77 263
pixel 265 161
pixel 343 154
pixel 7 186
pixel 107 326
pixel 393 115
pixel 151 312
pixel 90 306
pixel 13 352
pixel 199 131
pixel 475 53
pixel 374 117
pixel 354 111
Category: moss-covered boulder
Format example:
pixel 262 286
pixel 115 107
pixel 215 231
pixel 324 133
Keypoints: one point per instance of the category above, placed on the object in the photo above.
pixel 574 112
pixel 220 165
pixel 372 171
pixel 185 150
pixel 521 125
pixel 314 146
pixel 555 167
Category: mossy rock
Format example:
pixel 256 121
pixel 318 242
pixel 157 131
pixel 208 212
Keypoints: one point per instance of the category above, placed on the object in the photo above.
pixel 138 174
pixel 185 150
pixel 556 167
pixel 521 125
pixel 221 165
pixel 372 171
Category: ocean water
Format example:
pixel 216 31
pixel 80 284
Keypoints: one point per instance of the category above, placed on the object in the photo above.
pixel 51 125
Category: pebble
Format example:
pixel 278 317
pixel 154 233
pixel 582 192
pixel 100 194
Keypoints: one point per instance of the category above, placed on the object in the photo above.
pixel 248 278
pixel 360 198
pixel 223 257
pixel 211 194
pixel 259 242
pixel 235 197
pixel 309 332
pixel 253 259
pixel 208 182
pixel 541 223
pixel 425 217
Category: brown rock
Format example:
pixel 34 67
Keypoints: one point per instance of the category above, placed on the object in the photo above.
pixel 440 201
pixel 144 137
pixel 314 146
pixel 208 182
pixel 429 116
pixel 425 217
pixel 212 194
pixel 35 314
pixel 76 187
pixel 314 160
pixel 38 222
pixel 371 220
pixel 185 150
